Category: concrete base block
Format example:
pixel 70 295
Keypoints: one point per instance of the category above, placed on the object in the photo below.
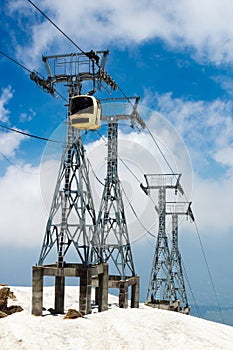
pixel 86 275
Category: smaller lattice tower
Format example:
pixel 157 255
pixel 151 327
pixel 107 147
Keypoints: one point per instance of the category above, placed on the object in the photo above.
pixel 175 209
pixel 112 244
pixel 162 290
pixel 111 221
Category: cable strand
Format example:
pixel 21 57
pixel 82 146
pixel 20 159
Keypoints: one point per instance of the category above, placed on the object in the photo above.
pixel 29 135
pixel 209 272
pixel 59 29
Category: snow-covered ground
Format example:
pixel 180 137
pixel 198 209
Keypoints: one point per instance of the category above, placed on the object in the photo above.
pixel 143 328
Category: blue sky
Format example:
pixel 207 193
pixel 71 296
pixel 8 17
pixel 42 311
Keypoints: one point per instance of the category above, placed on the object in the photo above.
pixel 178 57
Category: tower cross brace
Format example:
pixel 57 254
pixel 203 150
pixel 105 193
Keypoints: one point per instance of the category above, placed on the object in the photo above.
pixel 72 216
pixel 111 242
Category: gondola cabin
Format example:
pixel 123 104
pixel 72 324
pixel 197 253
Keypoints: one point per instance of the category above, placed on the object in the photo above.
pixel 85 112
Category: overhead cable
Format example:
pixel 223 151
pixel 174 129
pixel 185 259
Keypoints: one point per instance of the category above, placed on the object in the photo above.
pixel 209 272
pixel 13 60
pixel 17 167
pixel 88 160
pixel 191 291
pixel 29 135
pixel 41 82
pixel 58 28
pixel 134 212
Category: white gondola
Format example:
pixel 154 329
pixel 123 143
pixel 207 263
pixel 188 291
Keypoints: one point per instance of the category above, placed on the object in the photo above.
pixel 85 112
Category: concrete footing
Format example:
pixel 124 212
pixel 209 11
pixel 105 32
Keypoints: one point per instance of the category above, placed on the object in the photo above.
pixel 165 305
pixel 92 276
pixel 123 287
pixel 87 275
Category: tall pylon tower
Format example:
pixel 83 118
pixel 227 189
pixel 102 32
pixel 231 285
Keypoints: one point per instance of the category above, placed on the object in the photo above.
pixel 161 289
pixel 114 244
pixel 72 218
pixel 111 243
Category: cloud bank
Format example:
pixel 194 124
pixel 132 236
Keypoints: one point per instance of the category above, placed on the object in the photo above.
pixel 203 28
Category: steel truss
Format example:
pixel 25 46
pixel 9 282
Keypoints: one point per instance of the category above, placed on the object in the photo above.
pixel 175 209
pixel 72 220
pixel 72 215
pixel 166 284
pixel 111 242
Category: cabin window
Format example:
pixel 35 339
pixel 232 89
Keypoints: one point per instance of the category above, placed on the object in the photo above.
pixel 80 120
pixel 81 105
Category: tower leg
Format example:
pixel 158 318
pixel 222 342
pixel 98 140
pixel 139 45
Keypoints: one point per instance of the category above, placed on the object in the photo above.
pixel 97 293
pixel 59 294
pixel 135 293
pixel 85 292
pixel 37 290
pixel 103 290
pixel 123 294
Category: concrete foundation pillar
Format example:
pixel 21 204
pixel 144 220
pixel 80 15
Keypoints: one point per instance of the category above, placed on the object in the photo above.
pixel 37 290
pixel 85 291
pixel 96 275
pixel 97 294
pixel 135 293
pixel 103 290
pixel 123 294
pixel 59 294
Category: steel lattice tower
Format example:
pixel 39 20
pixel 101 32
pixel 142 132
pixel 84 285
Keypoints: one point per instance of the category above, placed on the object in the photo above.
pixel 175 209
pixel 112 240
pixel 166 284
pixel 177 272
pixel 72 220
pixel 161 286
pixel 72 215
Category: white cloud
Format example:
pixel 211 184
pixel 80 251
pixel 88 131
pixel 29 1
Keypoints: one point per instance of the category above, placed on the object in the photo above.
pixel 10 142
pixel 204 27
pixel 206 127
pixel 225 156
pixel 6 95
pixel 207 130
pixel 27 116
pixel 212 203
pixel 23 217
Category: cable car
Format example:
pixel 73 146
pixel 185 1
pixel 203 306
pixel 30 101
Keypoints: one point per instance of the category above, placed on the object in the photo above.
pixel 85 112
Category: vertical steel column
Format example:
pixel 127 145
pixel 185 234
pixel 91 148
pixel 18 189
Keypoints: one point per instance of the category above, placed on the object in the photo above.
pixel 177 271
pixel 161 285
pixel 111 242
pixel 72 216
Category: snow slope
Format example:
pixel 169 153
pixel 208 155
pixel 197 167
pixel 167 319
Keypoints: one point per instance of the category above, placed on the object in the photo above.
pixel 143 328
